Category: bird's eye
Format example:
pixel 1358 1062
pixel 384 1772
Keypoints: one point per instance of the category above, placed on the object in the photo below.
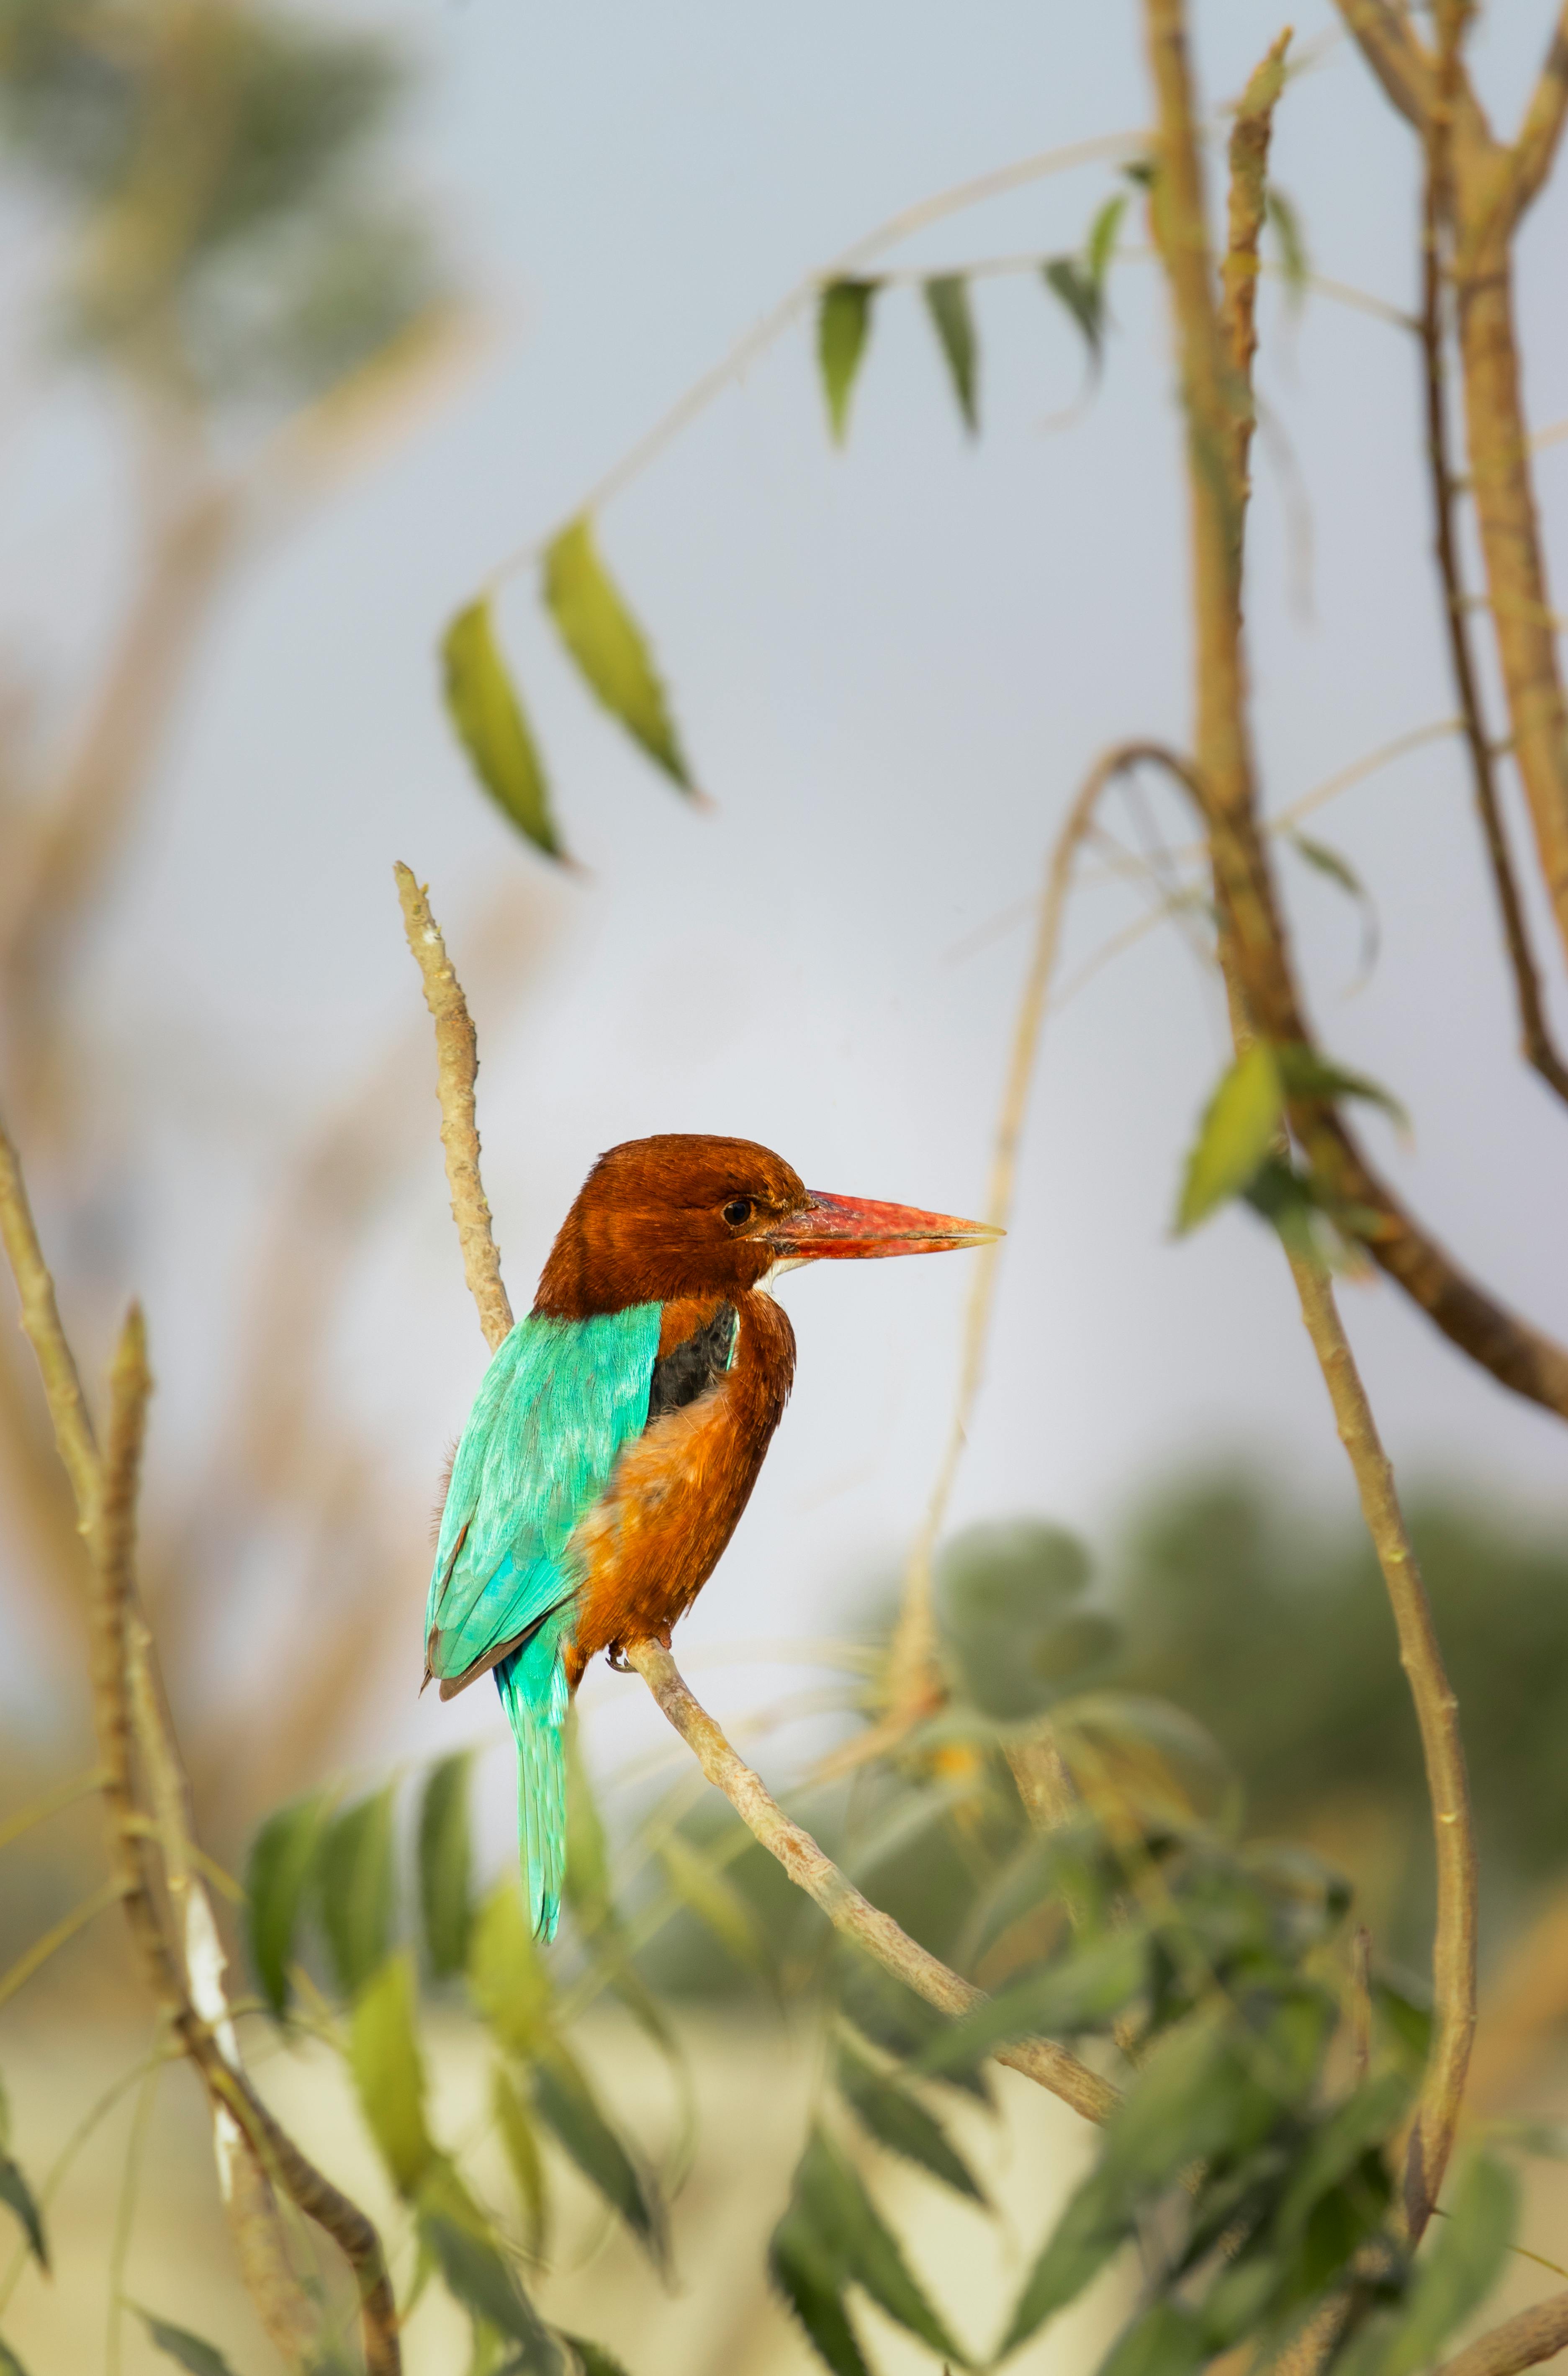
pixel 738 1211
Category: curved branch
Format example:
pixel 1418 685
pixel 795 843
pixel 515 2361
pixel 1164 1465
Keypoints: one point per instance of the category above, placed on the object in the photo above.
pixel 1522 2341
pixel 1050 2065
pixel 457 1056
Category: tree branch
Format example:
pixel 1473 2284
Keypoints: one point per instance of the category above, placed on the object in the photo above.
pixel 1542 129
pixel 1395 56
pixel 1239 274
pixel 1040 2059
pixel 1522 2341
pixel 457 1056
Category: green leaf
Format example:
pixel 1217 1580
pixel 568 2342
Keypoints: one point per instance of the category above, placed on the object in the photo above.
pixel 608 646
pixel 188 2350
pixel 445 1866
pixel 1455 2273
pixel 355 1887
pixel 1234 1137
pixel 1306 1073
pixel 903 2025
pixel 1070 282
pixel 843 326
pixel 515 2124
pixel 1101 245
pixel 1363 2121
pixel 475 2275
pixel 492 727
pixel 592 2358
pixel 280 1859
pixel 17 2196
pixel 842 2216
pixel 9 2364
pixel 1096 2224
pixel 1339 869
pixel 806 2273
pixel 947 302
pixel 1195 2098
pixel 1409 2023
pixel 1085 1991
pixel 712 1897
pixel 384 2056
pixel 565 2102
pixel 588 1854
pixel 894 2117
pixel 508 1975
pixel 1286 225
pixel 1167 2341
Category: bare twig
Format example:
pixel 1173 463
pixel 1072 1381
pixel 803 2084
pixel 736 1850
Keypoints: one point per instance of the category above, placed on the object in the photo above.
pixel 1522 2341
pixel 41 1321
pixel 1051 2066
pixel 457 1056
pixel 1238 275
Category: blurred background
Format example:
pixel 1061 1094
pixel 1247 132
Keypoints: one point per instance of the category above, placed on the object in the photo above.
pixel 310 318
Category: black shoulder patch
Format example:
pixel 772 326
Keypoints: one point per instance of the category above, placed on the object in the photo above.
pixel 690 1368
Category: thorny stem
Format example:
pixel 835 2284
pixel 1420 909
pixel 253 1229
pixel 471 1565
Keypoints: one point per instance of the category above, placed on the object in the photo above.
pixel 1050 2065
pixel 457 1057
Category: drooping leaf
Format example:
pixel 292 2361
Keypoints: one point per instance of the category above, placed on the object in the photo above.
pixel 807 2272
pixel 592 2358
pixel 903 2025
pixel 712 1897
pixel 567 2105
pixel 1101 245
pixel 356 1889
pixel 1339 869
pixel 475 2275
pixel 947 302
pixel 1166 2340
pixel 1069 282
pixel 492 725
pixel 1234 1136
pixel 384 2056
pixel 843 326
pixel 515 2124
pixel 896 2119
pixel 280 1859
pixel 608 646
pixel 1095 2224
pixel 840 2213
pixel 9 2364
pixel 445 1866
pixel 187 2350
pixel 1307 1075
pixel 1086 1990
pixel 1460 2266
pixel 17 2196
pixel 1335 2148
pixel 508 1979
pixel 1294 262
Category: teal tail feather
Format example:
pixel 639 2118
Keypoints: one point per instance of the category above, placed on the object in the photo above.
pixel 532 1683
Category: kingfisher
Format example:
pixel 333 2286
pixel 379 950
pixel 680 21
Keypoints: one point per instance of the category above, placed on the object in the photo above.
pixel 619 1430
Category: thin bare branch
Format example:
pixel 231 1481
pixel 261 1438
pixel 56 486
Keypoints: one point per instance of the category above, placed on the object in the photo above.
pixel 457 1056
pixel 1542 127
pixel 1239 274
pixel 1051 2066
pixel 1522 2341
pixel 1395 56
pixel 41 1321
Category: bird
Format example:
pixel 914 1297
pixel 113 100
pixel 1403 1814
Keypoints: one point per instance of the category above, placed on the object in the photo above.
pixel 619 1429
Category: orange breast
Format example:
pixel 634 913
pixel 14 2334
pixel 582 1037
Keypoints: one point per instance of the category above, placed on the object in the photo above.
pixel 676 1494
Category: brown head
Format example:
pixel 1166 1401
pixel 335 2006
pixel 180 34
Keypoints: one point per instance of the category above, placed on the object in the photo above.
pixel 686 1214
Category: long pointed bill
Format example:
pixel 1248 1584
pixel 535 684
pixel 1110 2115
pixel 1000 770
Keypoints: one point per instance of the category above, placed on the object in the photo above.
pixel 834 1228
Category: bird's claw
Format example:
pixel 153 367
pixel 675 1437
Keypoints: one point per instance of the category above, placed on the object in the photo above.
pixel 616 1657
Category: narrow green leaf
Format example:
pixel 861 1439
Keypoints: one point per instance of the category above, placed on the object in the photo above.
pixel 5 2119
pixel 947 302
pixel 587 1854
pixel 1409 2023
pixel 1306 1074
pixel 608 646
pixel 17 2196
pixel 445 1866
pixel 475 2275
pixel 1364 2119
pixel 807 2274
pixel 1070 283
pixel 712 1897
pixel 843 326
pixel 1195 2098
pixel 834 2204
pixel 187 2350
pixel 384 2056
pixel 592 2358
pixel 1085 1991
pixel 281 1856
pixel 894 2117
pixel 900 2022
pixel 1459 2268
pixel 1294 262
pixel 9 2364
pixel 355 1887
pixel 1234 1136
pixel 492 727
pixel 1096 2224
pixel 1101 245
pixel 566 2104
pixel 515 2124
pixel 1167 2341
pixel 508 1979
pixel 1340 870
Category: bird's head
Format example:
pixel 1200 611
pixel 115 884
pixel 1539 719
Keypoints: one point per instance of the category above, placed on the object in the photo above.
pixel 686 1214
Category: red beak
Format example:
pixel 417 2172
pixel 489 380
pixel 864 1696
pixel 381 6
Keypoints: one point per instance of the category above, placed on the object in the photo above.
pixel 833 1228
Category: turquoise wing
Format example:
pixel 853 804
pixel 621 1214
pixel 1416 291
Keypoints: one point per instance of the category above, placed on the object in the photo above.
pixel 557 1403
pixel 558 1400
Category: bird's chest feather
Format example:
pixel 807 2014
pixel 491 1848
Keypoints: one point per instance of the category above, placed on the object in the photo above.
pixel 677 1490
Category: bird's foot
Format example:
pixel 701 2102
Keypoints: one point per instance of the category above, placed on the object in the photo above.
pixel 616 1657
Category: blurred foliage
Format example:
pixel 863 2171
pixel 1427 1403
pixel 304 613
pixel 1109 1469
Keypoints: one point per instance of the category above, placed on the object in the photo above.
pixel 219 171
